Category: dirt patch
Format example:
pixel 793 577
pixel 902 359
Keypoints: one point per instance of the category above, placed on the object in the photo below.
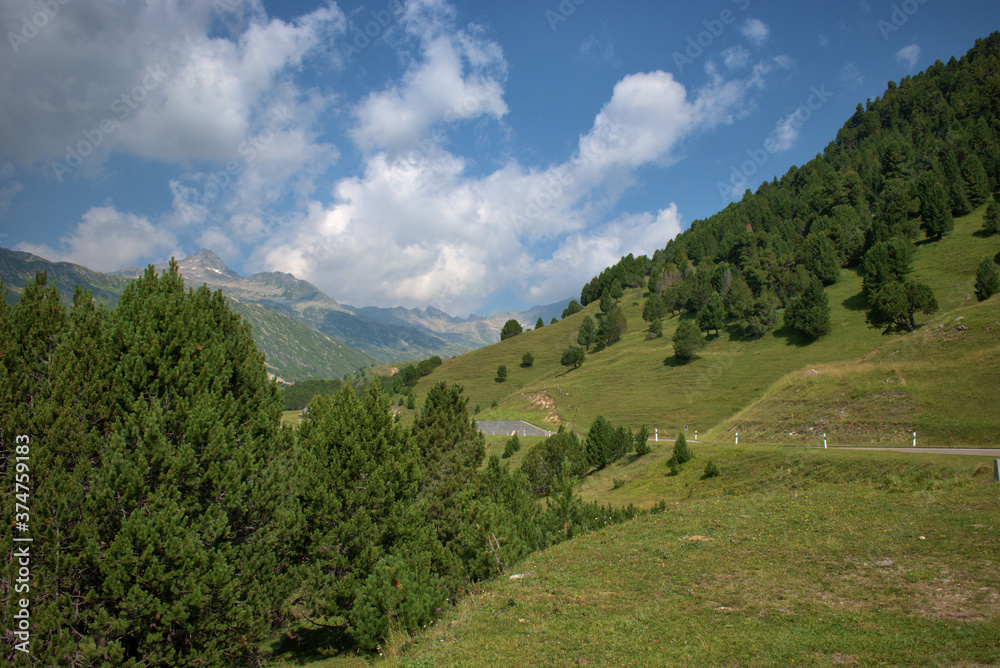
pixel 547 403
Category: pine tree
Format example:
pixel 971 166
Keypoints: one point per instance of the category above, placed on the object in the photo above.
pixel 502 373
pixel 607 301
pixel 991 219
pixel 599 443
pixel 451 451
pixel 510 328
pixel 573 357
pixel 682 453
pixel 987 279
pixel 186 543
pixel 893 307
pixel 823 259
pixel 527 360
pixel 539 323
pixel 612 327
pixel 587 332
pixel 713 315
pixel 977 183
pixel 362 472
pixel 935 213
pixel 512 446
pixel 687 340
pixel 810 313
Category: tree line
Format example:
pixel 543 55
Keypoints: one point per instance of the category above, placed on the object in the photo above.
pixel 176 522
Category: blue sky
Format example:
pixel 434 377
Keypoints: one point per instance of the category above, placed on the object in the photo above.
pixel 468 155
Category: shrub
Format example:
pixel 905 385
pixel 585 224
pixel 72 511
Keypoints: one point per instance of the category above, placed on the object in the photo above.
pixel 502 373
pixel 642 442
pixel 712 469
pixel 527 360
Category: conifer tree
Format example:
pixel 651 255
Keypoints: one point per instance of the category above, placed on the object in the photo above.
pixel 687 340
pixel 987 279
pixel 362 473
pixel 713 315
pixel 935 214
pixel 607 301
pixel 991 219
pixel 186 543
pixel 587 332
pixel 810 313
pixel 451 450
pixel 682 453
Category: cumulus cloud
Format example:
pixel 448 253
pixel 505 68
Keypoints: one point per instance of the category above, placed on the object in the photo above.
pixel 458 76
pixel 756 31
pixel 908 55
pixel 785 133
pixel 106 240
pixel 155 79
pixel 418 228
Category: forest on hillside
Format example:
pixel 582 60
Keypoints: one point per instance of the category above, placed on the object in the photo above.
pixel 897 173
pixel 163 516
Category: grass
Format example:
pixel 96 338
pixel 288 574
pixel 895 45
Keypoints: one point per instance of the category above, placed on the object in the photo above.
pixel 770 387
pixel 791 557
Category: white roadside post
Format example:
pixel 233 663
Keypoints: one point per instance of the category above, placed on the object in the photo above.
pixel 914 439
pixel 737 438
pixel 656 436
pixel 696 434
pixel 824 440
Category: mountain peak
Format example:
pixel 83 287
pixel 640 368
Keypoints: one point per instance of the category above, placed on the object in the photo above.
pixel 207 260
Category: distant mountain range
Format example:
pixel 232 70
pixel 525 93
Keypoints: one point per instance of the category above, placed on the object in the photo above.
pixel 304 332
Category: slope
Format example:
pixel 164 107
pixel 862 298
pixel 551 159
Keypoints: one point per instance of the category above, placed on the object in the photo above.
pixel 629 382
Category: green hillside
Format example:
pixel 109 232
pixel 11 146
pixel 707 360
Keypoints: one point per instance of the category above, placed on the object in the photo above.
pixel 295 351
pixel 628 382
pixel 791 557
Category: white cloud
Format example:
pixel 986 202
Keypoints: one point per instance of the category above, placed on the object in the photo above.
pixel 736 58
pixel 106 240
pixel 418 228
pixel 909 55
pixel 785 133
pixel 756 31
pixel 151 79
pixel 459 76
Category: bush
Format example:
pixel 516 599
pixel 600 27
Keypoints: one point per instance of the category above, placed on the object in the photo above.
pixel 527 360
pixel 712 469
pixel 687 340
pixel 617 483
pixel 512 446
pixel 501 373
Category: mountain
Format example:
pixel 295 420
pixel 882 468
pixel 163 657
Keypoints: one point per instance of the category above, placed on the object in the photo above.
pixel 294 350
pixel 304 332
pixel 18 268
pixel 464 334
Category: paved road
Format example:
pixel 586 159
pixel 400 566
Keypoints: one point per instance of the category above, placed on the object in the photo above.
pixel 975 452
